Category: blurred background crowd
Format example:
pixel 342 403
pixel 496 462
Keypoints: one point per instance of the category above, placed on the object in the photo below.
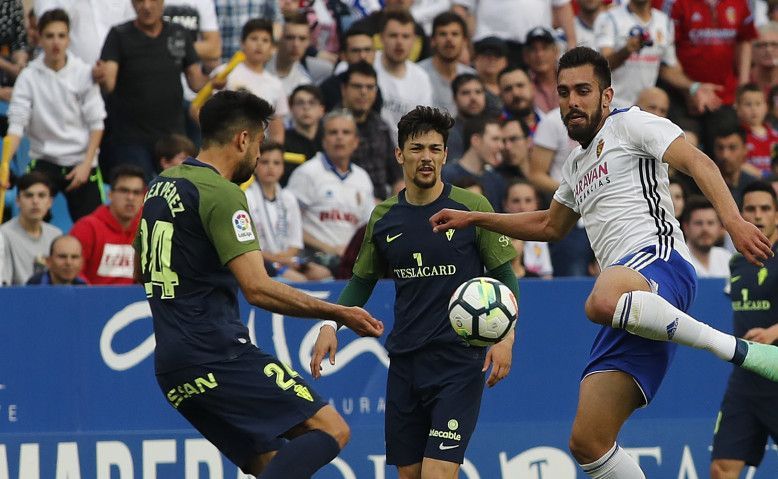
pixel 99 96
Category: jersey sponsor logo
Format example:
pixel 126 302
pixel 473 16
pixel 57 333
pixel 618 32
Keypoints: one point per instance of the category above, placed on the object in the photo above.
pixel 712 36
pixel 116 261
pixel 241 224
pixel 752 305
pixel 426 271
pixel 188 389
pixel 445 434
pixel 167 190
pixel 591 181
pixel 389 239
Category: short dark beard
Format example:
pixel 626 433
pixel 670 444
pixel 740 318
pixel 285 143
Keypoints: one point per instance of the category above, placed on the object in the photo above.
pixel 243 170
pixel 585 134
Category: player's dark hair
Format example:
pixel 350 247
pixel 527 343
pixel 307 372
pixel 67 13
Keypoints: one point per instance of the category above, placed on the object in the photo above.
pixel 511 69
pixel 229 112
pixel 312 89
pixel 256 25
pixel 403 17
pixel 423 119
pixel 33 178
pixel 580 56
pixel 51 16
pixel 362 68
pixel 729 128
pixel 463 78
pixel 353 31
pixel 171 145
pixel 694 203
pixel 126 170
pixel 761 186
pixel 747 88
pixel 270 145
pixel 447 18
pixel 476 126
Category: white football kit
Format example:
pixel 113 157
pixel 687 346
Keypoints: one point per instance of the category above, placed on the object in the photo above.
pixel 619 186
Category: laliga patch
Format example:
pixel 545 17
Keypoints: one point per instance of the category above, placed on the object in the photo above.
pixel 241 223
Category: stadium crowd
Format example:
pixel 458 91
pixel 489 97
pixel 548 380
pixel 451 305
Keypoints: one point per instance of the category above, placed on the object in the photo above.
pixel 98 97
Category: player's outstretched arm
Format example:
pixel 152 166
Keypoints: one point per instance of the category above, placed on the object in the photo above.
pixel 545 225
pixel 747 238
pixel 356 293
pixel 260 290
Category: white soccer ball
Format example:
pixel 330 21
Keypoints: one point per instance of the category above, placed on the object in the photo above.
pixel 482 311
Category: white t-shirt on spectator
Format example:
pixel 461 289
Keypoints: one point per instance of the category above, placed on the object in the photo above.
pixel 333 205
pixel 584 35
pixel 551 134
pixel 718 264
pixel 641 69
pixel 265 85
pixel 402 95
pixel 278 221
pixel 510 19
pixel 297 76
pixel 537 258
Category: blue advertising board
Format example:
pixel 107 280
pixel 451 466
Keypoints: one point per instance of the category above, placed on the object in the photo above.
pixel 78 398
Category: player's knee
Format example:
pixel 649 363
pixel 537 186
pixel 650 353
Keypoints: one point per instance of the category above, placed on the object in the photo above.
pixel 339 430
pixel 721 469
pixel 600 307
pixel 586 449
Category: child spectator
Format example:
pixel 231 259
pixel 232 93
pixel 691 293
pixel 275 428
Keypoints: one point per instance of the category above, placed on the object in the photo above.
pixel 751 108
pixel 256 42
pixel 173 150
pixel 276 214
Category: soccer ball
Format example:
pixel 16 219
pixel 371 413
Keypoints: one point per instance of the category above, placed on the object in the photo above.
pixel 482 311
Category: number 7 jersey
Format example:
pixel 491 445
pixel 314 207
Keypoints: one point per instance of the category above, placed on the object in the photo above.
pixel 194 222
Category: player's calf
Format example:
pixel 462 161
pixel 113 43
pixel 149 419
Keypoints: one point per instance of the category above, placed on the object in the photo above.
pixel 726 469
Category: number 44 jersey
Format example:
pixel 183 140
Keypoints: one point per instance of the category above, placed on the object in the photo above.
pixel 194 222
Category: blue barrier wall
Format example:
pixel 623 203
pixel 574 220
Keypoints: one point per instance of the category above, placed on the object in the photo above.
pixel 78 397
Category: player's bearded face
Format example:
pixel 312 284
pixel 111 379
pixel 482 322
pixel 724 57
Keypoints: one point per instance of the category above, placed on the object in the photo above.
pixel 582 125
pixel 245 167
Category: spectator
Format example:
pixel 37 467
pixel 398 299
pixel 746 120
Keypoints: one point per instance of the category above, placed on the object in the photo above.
pixel 588 11
pixel 290 63
pixel 106 235
pixel 13 50
pixel 335 196
pixel 483 151
pixel 404 84
pixel 449 38
pixel 711 51
pixel 512 20
pixel 517 94
pixel 751 108
pixel 678 195
pixel 357 46
pixel 140 68
pixel 257 44
pixel 654 100
pixel 638 42
pixel 60 107
pixel 276 214
pixel 470 100
pixel 173 150
pixel 62 265
pixel 729 153
pixel 702 229
pixel 373 23
pixel 27 237
pixel 33 48
pixel 516 141
pixel 425 11
pixel 540 54
pixel 772 104
pixel 233 15
pixel 375 152
pixel 550 148
pixel 765 70
pixel 534 259
pixel 90 22
pixel 303 138
pixel 491 58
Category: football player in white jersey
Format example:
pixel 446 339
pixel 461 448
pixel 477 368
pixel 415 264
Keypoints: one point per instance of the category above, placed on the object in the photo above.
pixel 616 180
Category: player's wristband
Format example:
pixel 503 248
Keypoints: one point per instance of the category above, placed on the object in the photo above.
pixel 334 325
pixel 694 87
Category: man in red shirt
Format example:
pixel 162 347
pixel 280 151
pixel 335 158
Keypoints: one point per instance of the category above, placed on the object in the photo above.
pixel 106 235
pixel 713 43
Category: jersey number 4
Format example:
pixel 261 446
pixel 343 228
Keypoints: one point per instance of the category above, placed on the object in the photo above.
pixel 155 258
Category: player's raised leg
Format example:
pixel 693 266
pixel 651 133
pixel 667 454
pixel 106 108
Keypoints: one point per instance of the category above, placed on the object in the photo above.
pixel 606 400
pixel 314 443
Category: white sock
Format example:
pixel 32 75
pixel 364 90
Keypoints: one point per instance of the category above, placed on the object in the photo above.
pixel 650 316
pixel 615 464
